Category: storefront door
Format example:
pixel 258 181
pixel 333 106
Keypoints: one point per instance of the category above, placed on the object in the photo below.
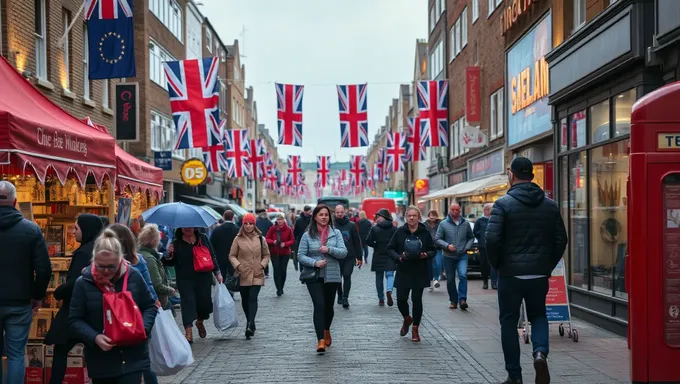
pixel 543 176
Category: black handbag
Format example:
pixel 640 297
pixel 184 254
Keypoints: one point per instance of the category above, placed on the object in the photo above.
pixel 309 275
pixel 233 283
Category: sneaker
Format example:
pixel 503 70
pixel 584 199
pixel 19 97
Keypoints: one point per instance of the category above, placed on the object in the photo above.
pixel 436 284
pixel 541 368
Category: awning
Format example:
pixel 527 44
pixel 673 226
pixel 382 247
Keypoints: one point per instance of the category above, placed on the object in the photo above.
pixel 36 133
pixel 237 209
pixel 203 200
pixel 468 188
pixel 133 172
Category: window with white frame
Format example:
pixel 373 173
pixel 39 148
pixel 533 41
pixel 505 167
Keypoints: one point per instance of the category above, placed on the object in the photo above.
pixel 157 56
pixel 195 152
pixel 40 34
pixel 496 114
pixel 237 72
pixel 579 13
pixel 459 39
pixel 66 49
pixel 462 123
pixel 464 28
pixel 170 14
pixel 437 60
pixel 493 4
pixel 163 135
pixel 208 40
pixel 223 97
pixel 432 19
pixel 442 6
pixel 455 150
pixel 437 11
pixel 105 93
pixel 475 10
pixel 452 43
pixel 86 66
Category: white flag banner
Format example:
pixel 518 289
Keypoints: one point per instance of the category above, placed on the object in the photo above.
pixel 473 137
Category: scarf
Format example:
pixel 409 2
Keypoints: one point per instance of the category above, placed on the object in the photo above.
pixel 323 234
pixel 105 284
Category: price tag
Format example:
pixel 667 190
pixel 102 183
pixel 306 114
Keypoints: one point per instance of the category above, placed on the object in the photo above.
pixel 194 172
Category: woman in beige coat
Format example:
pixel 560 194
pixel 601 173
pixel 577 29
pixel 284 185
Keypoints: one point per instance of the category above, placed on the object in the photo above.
pixel 249 256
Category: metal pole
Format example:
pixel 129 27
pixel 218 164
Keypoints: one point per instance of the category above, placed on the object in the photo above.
pixel 60 43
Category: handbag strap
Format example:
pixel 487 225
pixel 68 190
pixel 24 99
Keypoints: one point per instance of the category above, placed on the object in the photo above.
pixel 261 247
pixel 125 278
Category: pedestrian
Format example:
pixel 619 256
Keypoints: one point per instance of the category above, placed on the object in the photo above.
pixel 432 224
pixel 322 247
pixel 364 225
pixel 455 237
pixel 149 240
pixel 87 228
pixel 280 238
pixel 106 362
pixel 221 239
pixel 383 265
pixel 249 256
pixel 480 234
pixel 105 221
pixel 350 235
pixel 194 287
pixel 290 218
pixel 411 247
pixel 25 271
pixel 525 240
pixel 301 226
pixel 263 224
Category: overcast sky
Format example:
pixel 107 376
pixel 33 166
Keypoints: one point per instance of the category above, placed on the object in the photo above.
pixel 318 44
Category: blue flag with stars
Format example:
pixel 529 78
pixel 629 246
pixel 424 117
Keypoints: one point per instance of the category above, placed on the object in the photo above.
pixel 110 34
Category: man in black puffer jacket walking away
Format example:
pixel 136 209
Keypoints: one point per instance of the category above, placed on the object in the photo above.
pixel 525 239
pixel 382 264
pixel 350 234
pixel 25 271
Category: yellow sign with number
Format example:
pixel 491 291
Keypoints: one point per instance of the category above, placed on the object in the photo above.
pixel 194 172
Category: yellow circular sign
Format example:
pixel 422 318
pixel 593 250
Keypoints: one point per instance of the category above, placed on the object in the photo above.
pixel 194 172
pixel 420 184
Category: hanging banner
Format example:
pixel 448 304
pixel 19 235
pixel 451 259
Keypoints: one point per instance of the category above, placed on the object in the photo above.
pixel 127 111
pixel 473 137
pixel 473 112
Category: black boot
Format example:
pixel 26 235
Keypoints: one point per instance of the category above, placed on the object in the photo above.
pixel 512 381
pixel 345 303
pixel 541 368
pixel 486 284
pixel 340 300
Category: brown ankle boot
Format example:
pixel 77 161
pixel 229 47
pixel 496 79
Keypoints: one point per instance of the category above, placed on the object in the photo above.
pixel 321 346
pixel 201 329
pixel 189 334
pixel 327 337
pixel 404 327
pixel 415 336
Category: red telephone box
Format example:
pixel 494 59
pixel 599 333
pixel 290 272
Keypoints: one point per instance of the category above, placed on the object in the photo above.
pixel 653 262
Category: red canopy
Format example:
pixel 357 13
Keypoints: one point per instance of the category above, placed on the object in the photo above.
pixel 36 133
pixel 132 172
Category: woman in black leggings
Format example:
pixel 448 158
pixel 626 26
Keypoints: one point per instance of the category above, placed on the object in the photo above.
pixel 412 248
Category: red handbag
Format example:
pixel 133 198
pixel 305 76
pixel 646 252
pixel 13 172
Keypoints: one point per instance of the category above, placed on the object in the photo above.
pixel 203 261
pixel 123 322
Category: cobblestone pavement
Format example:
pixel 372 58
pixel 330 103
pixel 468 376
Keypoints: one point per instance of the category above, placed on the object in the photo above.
pixel 456 347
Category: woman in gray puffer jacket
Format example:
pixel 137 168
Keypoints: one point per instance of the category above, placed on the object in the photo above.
pixel 321 247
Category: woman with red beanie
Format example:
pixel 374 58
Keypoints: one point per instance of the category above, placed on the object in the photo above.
pixel 280 238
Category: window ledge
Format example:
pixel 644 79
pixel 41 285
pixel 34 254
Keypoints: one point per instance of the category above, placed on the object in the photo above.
pixel 44 84
pixel 107 110
pixel 89 103
pixel 67 93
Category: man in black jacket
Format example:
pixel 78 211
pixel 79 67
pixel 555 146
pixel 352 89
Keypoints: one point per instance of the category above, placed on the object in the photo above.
pixel 480 234
pixel 354 252
pixel 25 271
pixel 221 239
pixel 301 225
pixel 263 224
pixel 525 240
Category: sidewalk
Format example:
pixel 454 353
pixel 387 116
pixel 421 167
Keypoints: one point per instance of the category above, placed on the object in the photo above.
pixel 456 347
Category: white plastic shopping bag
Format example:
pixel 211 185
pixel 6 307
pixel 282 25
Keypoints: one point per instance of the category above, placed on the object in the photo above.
pixel 169 350
pixel 224 309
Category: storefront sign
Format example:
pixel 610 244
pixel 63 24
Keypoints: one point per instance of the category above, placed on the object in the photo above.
pixel 668 141
pixel 513 12
pixel 456 178
pixel 163 160
pixel 396 195
pixel 489 164
pixel 528 84
pixel 421 187
pixel 65 142
pixel 556 303
pixel 472 95
pixel 194 172
pixel 127 111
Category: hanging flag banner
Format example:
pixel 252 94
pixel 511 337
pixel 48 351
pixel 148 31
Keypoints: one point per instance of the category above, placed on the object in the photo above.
pixel 256 159
pixel 395 152
pixel 215 157
pixel 357 169
pixel 289 113
pixel 323 169
pixel 353 115
pixel 415 132
pixel 236 145
pixel 294 170
pixel 473 101
pixel 194 99
pixel 110 39
pixel 433 107
pixel 473 137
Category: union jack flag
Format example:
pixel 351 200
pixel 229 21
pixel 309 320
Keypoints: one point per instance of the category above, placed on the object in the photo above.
pixel 353 115
pixel 289 116
pixel 323 170
pixel 215 159
pixel 194 97
pixel 415 150
pixel 395 152
pixel 357 168
pixel 237 150
pixel 433 100
pixel 295 170
pixel 108 9
pixel 256 159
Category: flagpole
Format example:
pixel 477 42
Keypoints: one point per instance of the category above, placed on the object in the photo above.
pixel 60 43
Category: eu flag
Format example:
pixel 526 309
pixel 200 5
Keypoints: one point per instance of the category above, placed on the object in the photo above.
pixel 110 33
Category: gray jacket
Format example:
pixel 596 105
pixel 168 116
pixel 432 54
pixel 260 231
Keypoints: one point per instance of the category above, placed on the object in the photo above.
pixel 308 254
pixel 460 235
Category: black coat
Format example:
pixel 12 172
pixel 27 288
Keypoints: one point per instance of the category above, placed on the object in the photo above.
pixel 25 267
pixel 263 224
pixel 301 225
pixel 411 273
pixel 479 231
pixel 221 239
pixel 87 321
pixel 526 234
pixel 364 227
pixel 90 226
pixel 350 234
pixel 379 238
pixel 183 258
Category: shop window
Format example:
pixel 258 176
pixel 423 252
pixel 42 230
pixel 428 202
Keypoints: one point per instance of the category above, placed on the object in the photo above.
pixel 578 130
pixel 563 197
pixel 599 122
pixel 578 219
pixel 564 137
pixel 608 213
pixel 40 34
pixel 623 107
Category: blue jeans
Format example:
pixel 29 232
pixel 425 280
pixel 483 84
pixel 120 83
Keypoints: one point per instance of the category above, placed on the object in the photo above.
pixel 456 265
pixel 379 283
pixel 437 265
pixel 511 291
pixel 365 252
pixel 15 323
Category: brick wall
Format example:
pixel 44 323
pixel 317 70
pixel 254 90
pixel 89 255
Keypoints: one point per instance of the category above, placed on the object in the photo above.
pixel 236 86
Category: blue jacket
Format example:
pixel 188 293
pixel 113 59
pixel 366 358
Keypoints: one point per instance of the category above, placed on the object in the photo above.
pixel 460 235
pixel 308 254
pixel 143 269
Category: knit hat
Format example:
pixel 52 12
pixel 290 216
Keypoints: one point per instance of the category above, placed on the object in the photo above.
pixel 384 213
pixel 248 218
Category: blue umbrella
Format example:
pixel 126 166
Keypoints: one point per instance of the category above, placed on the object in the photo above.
pixel 179 215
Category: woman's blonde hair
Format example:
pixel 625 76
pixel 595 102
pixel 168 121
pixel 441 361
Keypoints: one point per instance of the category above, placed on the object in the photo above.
pixel 362 214
pixel 108 242
pixel 149 236
pixel 414 208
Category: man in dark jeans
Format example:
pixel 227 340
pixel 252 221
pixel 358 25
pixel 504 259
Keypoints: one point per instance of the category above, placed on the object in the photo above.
pixel 301 225
pixel 480 234
pixel 350 234
pixel 525 239
pixel 263 224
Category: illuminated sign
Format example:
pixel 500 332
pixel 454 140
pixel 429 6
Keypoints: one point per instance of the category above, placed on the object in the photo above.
pixel 512 13
pixel 529 86
pixel 194 172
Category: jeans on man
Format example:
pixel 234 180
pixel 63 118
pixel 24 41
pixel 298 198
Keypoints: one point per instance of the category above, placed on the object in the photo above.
pixel 456 266
pixel 15 323
pixel 511 292
pixel 365 247
pixel 379 283
pixel 437 263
